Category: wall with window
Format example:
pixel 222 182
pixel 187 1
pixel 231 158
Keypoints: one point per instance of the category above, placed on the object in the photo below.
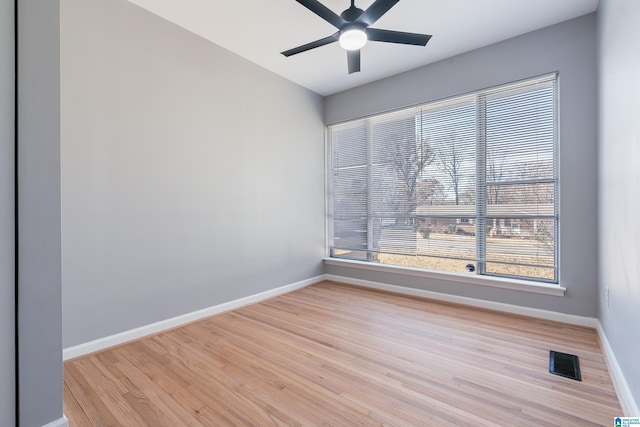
pixel 568 48
pixel 190 176
pixel 619 182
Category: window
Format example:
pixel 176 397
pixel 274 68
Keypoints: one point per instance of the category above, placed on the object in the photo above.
pixel 467 184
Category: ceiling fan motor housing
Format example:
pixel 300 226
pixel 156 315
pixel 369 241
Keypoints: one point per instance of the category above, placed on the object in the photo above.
pixel 351 14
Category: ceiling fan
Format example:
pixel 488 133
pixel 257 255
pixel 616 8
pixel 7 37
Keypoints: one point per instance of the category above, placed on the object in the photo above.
pixel 354 30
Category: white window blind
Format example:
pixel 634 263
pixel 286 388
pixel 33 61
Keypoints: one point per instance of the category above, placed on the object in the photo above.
pixel 467 184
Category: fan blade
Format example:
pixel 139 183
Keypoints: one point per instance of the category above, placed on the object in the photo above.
pixel 353 58
pixel 323 12
pixel 375 11
pixel 312 45
pixel 397 37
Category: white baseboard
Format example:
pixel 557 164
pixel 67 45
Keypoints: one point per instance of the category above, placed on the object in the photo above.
pixel 143 331
pixel 628 403
pixel 61 422
pixel 508 308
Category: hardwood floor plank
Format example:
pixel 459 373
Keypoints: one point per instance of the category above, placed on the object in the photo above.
pixel 230 393
pixel 334 354
pixel 86 396
pixel 148 395
pixel 72 406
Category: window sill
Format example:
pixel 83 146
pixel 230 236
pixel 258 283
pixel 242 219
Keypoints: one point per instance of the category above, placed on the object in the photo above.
pixel 495 282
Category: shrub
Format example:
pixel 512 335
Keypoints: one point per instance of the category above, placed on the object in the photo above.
pixel 425 230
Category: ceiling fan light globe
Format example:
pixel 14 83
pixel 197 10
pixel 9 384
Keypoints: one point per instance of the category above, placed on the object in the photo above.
pixel 353 39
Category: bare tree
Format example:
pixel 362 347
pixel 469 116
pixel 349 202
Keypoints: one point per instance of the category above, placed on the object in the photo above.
pixel 468 194
pixel 495 172
pixel 451 157
pixel 408 158
pixel 431 192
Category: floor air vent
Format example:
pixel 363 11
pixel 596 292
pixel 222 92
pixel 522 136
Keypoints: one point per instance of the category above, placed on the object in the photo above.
pixel 565 365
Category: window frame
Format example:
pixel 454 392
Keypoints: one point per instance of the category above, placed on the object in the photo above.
pixel 484 277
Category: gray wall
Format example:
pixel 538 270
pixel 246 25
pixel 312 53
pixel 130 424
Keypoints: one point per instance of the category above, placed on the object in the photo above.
pixel 7 249
pixel 39 275
pixel 619 163
pixel 190 177
pixel 569 48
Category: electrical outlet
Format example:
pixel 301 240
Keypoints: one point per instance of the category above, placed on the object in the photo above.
pixel 606 296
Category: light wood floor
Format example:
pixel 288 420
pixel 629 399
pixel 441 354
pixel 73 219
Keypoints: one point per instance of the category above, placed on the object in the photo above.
pixel 333 354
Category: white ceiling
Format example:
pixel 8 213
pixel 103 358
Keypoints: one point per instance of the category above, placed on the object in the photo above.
pixel 259 30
